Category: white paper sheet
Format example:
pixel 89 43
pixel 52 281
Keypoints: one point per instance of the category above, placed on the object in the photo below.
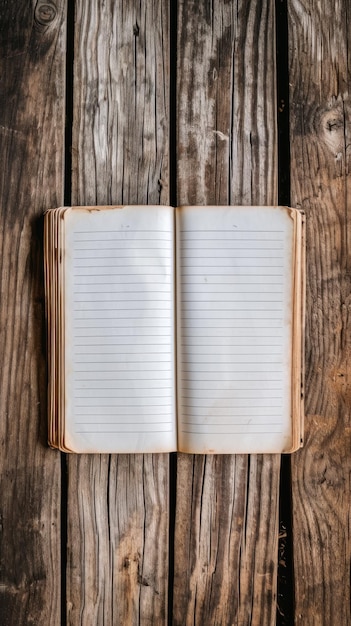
pixel 119 316
pixel 234 329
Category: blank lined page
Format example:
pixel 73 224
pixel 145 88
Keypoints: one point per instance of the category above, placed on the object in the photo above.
pixel 234 317
pixel 119 329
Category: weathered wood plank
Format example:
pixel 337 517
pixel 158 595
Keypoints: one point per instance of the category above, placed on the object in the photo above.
pixel 227 507
pixel 32 98
pixel 118 506
pixel 319 42
pixel 117 539
pixel 120 134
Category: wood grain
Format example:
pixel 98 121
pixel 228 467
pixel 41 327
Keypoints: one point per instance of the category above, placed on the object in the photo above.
pixel 121 101
pixel 118 506
pixel 226 103
pixel 32 39
pixel 117 539
pixel 227 506
pixel 320 184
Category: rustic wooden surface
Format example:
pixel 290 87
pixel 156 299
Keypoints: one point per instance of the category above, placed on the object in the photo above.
pixel 114 514
pixel 226 530
pixel 117 567
pixel 321 183
pixel 31 180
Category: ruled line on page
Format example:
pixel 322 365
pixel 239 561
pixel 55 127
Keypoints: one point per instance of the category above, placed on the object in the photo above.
pixel 133 432
pixel 118 372
pixel 94 393
pixel 136 316
pixel 129 423
pixel 244 423
pixel 149 386
pixel 265 413
pixel 236 342
pixel 123 306
pixel 133 230
pixel 96 341
pixel 238 231
pixel 239 405
pixel 232 396
pixel 100 261
pixel 228 410
pixel 144 275
pixel 125 379
pixel 117 330
pixel 110 411
pixel 188 382
pixel 88 281
pixel 101 294
pixel 115 361
pixel 232 432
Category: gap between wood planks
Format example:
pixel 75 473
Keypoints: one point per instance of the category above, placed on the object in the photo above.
pixel 67 198
pixel 285 595
pixel 173 29
pixel 285 588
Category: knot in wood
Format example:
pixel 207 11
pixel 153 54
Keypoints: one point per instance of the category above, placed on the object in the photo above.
pixel 45 13
pixel 334 124
pixel 333 129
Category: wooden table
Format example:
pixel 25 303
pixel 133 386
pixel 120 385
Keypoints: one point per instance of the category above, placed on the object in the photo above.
pixel 201 103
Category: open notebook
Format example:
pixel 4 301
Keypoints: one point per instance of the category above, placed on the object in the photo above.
pixel 175 329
